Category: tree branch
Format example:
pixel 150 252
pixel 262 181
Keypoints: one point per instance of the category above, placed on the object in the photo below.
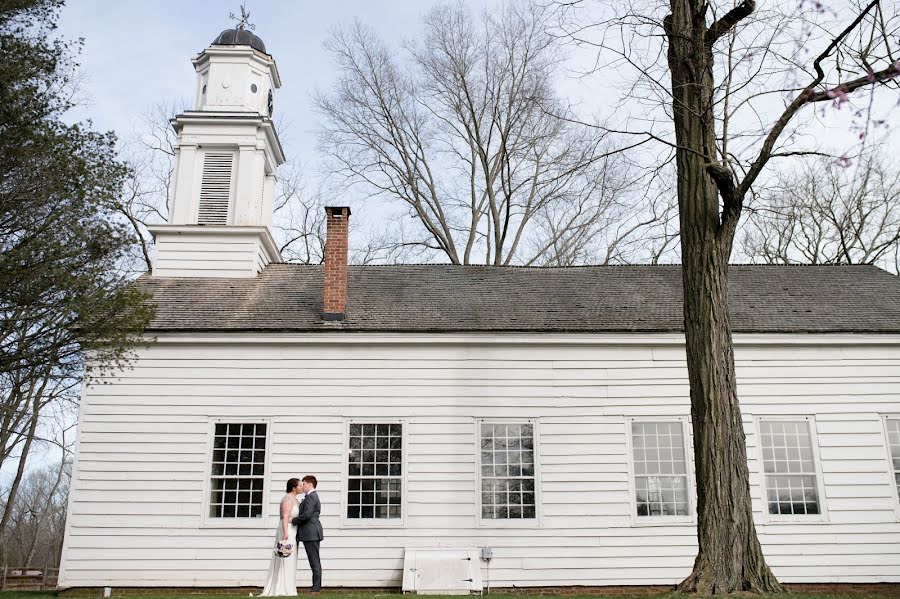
pixel 724 181
pixel 850 86
pixel 817 63
pixel 731 18
pixel 808 95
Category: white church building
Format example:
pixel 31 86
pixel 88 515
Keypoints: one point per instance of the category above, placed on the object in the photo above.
pixel 539 414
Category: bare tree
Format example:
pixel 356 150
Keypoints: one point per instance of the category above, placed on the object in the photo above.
pixel 35 515
pixel 470 137
pixel 299 224
pixel 826 213
pixel 34 536
pixel 299 217
pixel 619 218
pixel 706 78
pixel 150 155
pixel 34 398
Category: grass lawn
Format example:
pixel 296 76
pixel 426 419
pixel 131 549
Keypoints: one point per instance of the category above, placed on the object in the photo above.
pixel 374 594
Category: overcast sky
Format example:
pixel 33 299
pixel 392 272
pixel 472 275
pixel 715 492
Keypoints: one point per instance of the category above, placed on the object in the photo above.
pixel 139 53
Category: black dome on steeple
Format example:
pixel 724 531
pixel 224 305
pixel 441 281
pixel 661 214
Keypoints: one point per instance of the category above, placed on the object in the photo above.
pixel 240 37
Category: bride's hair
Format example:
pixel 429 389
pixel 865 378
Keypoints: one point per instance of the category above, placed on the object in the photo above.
pixel 292 484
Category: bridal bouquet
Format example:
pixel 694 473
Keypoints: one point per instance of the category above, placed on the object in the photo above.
pixel 283 549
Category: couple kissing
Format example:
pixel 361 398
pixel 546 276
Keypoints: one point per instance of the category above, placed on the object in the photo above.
pixel 298 523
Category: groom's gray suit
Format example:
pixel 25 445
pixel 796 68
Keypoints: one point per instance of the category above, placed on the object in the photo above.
pixel 309 531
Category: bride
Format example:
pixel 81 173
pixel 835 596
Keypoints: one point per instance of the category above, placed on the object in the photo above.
pixel 282 578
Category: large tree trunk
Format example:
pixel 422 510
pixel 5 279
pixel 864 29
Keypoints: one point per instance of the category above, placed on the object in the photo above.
pixel 730 558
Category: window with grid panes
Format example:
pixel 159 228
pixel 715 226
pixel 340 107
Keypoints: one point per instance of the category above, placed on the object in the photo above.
pixel 893 434
pixel 660 469
pixel 790 470
pixel 238 470
pixel 375 471
pixel 507 471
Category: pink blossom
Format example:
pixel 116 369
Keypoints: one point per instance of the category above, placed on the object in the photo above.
pixel 843 162
pixel 839 94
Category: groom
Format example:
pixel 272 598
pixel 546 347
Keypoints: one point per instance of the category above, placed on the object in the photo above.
pixel 309 529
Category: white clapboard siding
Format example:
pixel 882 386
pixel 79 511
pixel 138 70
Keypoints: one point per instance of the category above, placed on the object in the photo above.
pixel 208 256
pixel 144 439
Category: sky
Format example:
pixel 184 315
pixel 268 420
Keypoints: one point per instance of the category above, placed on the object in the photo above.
pixel 139 53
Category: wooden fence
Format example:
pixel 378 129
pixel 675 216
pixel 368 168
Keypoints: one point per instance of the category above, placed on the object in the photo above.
pixel 28 579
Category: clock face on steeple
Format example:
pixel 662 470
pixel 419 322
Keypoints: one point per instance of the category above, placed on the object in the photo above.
pixel 271 103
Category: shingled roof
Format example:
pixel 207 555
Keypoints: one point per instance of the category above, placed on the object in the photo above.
pixel 587 299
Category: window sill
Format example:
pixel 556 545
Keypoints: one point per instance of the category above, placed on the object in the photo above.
pixel 772 520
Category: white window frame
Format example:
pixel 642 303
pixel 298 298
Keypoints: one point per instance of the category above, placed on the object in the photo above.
pixel 345 476
pixel 686 434
pixel 248 522
pixel 535 522
pixel 822 516
pixel 895 493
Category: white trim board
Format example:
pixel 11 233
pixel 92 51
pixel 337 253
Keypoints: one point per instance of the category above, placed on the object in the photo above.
pixel 495 338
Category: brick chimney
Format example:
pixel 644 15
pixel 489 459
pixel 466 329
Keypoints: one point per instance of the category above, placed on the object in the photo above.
pixel 336 240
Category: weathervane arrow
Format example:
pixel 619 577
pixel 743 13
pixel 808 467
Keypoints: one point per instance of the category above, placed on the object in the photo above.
pixel 243 20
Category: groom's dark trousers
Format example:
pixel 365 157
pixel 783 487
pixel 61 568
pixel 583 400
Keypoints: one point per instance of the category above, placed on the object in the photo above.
pixel 309 532
pixel 312 554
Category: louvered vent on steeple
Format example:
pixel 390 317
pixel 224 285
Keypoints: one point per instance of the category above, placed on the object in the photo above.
pixel 215 188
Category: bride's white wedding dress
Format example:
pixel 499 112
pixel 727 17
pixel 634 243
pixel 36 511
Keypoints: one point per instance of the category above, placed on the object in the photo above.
pixel 282 577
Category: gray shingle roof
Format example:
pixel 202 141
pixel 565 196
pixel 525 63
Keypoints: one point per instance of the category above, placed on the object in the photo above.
pixel 589 299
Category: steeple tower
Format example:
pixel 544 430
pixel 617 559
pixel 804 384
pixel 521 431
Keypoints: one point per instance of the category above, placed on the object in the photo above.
pixel 226 156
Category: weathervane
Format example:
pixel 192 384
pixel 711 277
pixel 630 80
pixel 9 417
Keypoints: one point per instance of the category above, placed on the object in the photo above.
pixel 244 20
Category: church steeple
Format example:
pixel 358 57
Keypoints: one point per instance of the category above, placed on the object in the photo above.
pixel 236 73
pixel 226 156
